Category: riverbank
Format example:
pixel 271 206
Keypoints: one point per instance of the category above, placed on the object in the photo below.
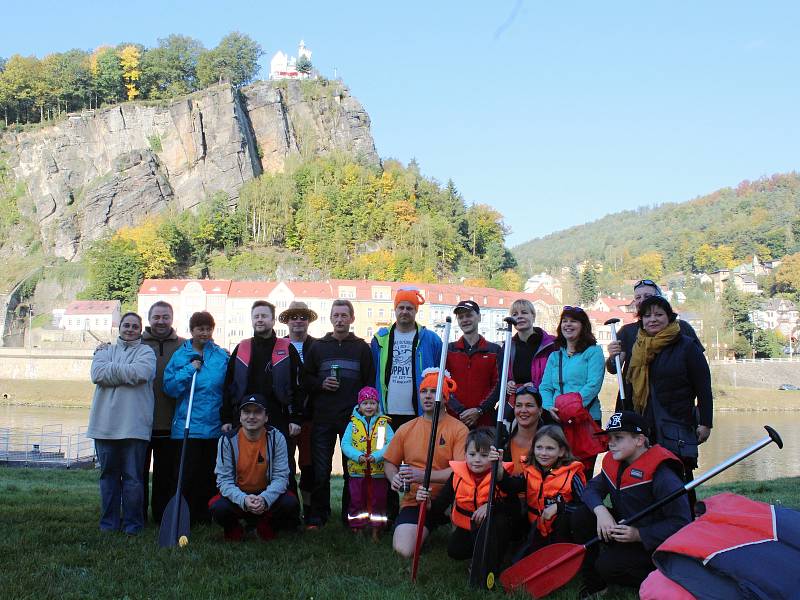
pixel 54 550
pixel 78 394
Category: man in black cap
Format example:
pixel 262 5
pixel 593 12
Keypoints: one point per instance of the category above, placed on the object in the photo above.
pixel 472 362
pixel 253 476
pixel 634 476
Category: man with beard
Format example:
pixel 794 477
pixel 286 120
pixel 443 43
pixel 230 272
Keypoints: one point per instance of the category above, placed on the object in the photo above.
pixel 267 365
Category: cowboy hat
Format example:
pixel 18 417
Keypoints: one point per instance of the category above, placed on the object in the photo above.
pixel 297 308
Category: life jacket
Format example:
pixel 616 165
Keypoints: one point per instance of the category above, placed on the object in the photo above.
pixel 279 367
pixel 556 486
pixel 366 443
pixel 737 548
pixel 631 486
pixel 469 495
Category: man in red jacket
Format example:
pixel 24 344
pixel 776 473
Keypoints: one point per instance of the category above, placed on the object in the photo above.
pixel 472 363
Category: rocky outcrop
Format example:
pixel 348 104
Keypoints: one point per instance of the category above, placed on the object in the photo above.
pixel 96 172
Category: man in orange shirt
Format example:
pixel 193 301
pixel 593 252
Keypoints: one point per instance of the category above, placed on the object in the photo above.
pixel 253 476
pixel 410 445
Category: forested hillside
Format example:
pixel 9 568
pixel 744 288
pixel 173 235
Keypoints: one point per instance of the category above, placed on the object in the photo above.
pixel 718 230
pixel 323 217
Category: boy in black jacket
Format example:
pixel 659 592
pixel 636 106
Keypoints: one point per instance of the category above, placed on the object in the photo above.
pixel 635 475
pixel 336 368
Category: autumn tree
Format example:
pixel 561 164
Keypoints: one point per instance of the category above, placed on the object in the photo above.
pixel 106 70
pixel 787 275
pixel 154 251
pixel 130 58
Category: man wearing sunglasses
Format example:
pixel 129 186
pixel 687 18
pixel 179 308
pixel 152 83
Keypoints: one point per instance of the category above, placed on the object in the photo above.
pixel 626 337
pixel 298 317
pixel 268 365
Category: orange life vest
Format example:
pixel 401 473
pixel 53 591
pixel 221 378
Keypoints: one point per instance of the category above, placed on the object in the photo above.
pixel 556 486
pixel 469 494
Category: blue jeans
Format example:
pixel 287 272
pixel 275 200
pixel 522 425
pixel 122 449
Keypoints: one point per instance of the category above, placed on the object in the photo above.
pixel 121 466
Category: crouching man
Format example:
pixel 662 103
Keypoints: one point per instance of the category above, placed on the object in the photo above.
pixel 253 477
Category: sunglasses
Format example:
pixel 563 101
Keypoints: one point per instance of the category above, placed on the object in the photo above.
pixel 648 282
pixel 298 318
pixel 573 309
pixel 527 388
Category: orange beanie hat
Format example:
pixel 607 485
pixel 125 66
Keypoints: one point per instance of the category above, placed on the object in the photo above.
pixel 430 378
pixel 408 295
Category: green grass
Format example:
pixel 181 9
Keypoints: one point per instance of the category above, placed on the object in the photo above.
pixel 52 548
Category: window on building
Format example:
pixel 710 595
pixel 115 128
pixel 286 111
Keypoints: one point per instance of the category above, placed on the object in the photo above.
pixel 381 313
pixel 369 333
pixel 369 313
pixel 381 292
pixel 347 291
pixel 500 301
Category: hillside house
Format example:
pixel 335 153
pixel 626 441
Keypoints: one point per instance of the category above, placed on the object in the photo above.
pixel 777 314
pixel 91 315
pixel 283 66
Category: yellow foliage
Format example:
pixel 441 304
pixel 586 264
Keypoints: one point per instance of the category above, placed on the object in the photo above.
pixel 387 183
pixel 404 212
pixel 424 276
pixel 476 282
pixel 152 248
pixel 93 59
pixel 511 280
pixel 130 60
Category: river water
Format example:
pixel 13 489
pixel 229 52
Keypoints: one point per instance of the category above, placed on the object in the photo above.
pixel 733 431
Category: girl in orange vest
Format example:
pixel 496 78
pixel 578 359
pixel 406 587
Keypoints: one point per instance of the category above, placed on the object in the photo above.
pixel 467 492
pixel 553 483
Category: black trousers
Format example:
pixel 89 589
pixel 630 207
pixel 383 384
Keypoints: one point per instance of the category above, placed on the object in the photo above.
pixel 199 481
pixel 283 513
pixel 625 564
pixel 461 544
pixel 281 423
pixel 323 445
pixel 161 451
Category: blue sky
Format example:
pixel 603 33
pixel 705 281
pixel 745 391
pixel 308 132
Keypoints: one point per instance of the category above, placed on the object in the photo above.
pixel 554 113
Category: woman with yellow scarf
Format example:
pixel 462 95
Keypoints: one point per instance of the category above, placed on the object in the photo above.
pixel 671 382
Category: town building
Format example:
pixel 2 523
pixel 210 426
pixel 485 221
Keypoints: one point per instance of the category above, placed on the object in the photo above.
pixel 777 314
pixel 230 301
pixel 547 282
pixel 91 315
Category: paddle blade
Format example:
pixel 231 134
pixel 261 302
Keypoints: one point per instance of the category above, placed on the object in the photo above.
pixel 483 569
pixel 174 523
pixel 545 570
pixel 423 510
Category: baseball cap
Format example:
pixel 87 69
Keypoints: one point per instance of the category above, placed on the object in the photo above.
pixel 627 420
pixel 468 305
pixel 256 399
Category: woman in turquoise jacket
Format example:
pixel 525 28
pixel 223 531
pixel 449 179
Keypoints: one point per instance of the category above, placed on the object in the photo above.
pixel 577 366
pixel 202 356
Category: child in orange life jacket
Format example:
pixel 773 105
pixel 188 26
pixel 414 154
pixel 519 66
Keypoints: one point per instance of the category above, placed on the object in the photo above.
pixel 553 483
pixel 467 492
pixel 363 443
pixel 634 476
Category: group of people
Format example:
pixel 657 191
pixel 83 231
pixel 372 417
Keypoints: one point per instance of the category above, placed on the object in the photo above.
pixel 277 405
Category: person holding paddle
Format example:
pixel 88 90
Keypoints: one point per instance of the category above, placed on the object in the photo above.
pixel 410 445
pixel 552 482
pixel 634 476
pixel 467 493
pixel 200 356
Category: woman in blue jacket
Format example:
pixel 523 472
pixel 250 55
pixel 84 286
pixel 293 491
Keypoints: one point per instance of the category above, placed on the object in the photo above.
pixel 577 366
pixel 202 356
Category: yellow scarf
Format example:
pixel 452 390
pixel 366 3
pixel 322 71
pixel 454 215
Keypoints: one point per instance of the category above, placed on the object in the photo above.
pixel 644 351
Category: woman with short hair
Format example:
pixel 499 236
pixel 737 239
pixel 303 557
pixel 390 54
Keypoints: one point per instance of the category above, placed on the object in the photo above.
pixel 198 355
pixel 671 383
pixel 121 421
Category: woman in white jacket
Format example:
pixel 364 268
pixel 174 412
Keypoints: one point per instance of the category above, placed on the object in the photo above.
pixel 120 423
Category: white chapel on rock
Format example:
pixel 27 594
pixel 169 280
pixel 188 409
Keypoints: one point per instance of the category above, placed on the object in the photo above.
pixel 283 66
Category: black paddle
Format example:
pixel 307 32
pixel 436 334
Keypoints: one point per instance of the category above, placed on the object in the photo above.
pixel 175 522
pixel 481 573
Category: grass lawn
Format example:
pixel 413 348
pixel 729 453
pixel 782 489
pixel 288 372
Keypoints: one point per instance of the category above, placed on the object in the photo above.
pixel 52 548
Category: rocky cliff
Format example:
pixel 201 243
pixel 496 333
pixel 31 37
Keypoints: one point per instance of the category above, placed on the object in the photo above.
pixel 96 172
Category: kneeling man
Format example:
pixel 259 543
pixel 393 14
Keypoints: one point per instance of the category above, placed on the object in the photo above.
pixel 253 476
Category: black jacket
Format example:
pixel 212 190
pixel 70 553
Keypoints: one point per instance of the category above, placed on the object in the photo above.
pixel 356 370
pixel 678 375
pixel 627 337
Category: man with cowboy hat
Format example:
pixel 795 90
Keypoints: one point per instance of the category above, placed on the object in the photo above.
pixel 268 365
pixel 298 317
